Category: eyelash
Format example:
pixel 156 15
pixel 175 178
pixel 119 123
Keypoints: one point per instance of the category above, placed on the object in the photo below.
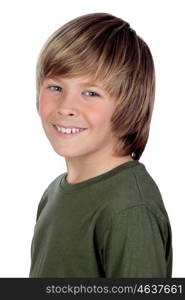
pixel 50 87
pixel 92 94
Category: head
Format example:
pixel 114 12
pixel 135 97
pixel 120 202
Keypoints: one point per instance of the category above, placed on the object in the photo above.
pixel 104 49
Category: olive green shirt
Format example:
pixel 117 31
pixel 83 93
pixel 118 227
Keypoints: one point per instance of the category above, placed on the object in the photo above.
pixel 113 225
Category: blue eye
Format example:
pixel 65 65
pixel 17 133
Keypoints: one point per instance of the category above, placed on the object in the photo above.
pixel 91 94
pixel 55 88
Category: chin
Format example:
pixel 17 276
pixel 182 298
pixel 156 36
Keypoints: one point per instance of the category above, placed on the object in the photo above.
pixel 70 152
pixel 66 153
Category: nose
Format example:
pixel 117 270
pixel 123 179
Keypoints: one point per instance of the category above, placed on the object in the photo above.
pixel 68 105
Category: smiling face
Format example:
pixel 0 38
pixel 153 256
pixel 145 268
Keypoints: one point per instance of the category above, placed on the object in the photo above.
pixel 76 103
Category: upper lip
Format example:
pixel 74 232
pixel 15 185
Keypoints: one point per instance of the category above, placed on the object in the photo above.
pixel 69 126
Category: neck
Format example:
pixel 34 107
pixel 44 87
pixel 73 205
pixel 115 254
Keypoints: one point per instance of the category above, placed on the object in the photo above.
pixel 83 168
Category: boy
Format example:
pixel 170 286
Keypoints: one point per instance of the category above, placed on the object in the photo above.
pixel 105 216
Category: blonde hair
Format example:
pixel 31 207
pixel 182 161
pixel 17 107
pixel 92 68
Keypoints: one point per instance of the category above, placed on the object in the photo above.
pixel 107 49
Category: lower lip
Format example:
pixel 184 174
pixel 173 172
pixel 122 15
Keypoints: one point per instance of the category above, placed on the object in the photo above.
pixel 67 135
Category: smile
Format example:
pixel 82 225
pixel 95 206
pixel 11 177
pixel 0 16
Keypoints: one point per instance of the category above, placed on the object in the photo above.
pixel 68 132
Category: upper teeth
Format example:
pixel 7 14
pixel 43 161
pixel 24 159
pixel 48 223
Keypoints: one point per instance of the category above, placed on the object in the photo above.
pixel 67 130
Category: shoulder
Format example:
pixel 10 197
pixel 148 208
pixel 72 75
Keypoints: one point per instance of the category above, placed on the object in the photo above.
pixel 134 197
pixel 55 183
pixel 49 190
pixel 133 188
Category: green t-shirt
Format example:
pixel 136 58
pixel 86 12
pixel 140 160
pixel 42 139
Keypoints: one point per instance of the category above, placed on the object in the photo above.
pixel 113 225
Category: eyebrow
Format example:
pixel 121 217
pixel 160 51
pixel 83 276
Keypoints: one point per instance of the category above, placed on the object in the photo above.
pixel 87 83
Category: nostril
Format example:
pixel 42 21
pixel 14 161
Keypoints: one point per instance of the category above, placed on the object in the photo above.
pixel 65 113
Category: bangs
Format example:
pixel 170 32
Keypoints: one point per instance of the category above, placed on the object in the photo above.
pixel 96 56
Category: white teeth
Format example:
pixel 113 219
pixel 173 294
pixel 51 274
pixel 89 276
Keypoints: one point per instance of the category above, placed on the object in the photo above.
pixel 67 130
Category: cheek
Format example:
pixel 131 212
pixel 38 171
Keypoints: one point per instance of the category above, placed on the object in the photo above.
pixel 98 116
pixel 45 106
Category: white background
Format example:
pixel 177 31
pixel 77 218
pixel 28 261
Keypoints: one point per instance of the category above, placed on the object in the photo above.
pixel 27 161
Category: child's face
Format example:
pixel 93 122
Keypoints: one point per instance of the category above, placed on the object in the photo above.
pixel 76 103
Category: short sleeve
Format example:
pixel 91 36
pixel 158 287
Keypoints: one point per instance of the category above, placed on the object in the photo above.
pixel 137 244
